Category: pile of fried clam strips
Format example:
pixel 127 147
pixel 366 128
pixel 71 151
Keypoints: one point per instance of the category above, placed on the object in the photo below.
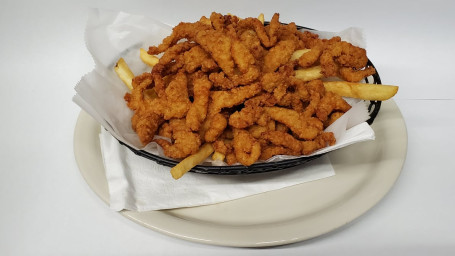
pixel 112 35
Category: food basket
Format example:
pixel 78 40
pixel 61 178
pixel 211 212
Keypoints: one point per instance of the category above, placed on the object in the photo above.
pixel 260 167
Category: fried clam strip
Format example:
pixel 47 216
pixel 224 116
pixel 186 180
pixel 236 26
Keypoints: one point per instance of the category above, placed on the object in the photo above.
pixel 321 141
pixel 144 121
pixel 213 127
pixel 279 55
pixel 246 65
pixel 185 142
pixel 309 58
pixel 220 79
pixel 277 82
pixel 226 148
pixel 330 102
pixel 196 58
pixel 246 148
pixel 233 97
pixel 171 57
pixel 306 128
pixel 353 75
pixel 242 56
pixel 175 102
pixel 218 44
pixel 283 139
pixel 251 41
pixel 252 111
pixel 198 109
pixel 183 30
pixel 351 59
pixel 267 39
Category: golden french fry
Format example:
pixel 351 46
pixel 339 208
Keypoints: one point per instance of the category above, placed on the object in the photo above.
pixel 186 164
pixel 361 90
pixel 218 156
pixel 148 59
pixel 308 74
pixel 261 18
pixel 296 55
pixel 124 73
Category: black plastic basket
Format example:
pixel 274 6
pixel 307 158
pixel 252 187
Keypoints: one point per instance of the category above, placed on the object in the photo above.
pixel 373 109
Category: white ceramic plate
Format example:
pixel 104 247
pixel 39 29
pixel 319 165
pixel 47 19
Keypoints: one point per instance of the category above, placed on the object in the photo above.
pixel 365 172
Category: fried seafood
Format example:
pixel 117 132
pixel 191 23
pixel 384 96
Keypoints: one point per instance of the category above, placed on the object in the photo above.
pixel 247 149
pixel 198 109
pixel 185 143
pixel 242 87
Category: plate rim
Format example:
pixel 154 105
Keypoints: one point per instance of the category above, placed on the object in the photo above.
pixel 166 223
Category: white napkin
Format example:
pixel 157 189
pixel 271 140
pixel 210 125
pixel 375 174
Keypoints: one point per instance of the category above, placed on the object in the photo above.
pixel 140 184
pixel 136 183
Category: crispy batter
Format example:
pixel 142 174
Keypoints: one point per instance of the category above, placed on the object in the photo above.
pixel 279 55
pixel 252 111
pixel 185 142
pixel 306 128
pixel 352 75
pixel 329 103
pixel 198 109
pixel 197 58
pixel 213 127
pixel 323 140
pixel 236 96
pixel 218 44
pixel 175 103
pixel 283 139
pixel 247 149
pixel 311 57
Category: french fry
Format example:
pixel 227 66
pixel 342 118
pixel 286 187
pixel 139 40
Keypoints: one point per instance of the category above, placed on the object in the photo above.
pixel 186 164
pixel 361 90
pixel 148 59
pixel 124 73
pixel 308 74
pixel 297 54
pixel 218 156
pixel 261 18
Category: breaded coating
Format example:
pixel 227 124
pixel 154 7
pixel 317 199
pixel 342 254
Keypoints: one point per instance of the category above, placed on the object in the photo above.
pixel 197 58
pixel 323 140
pixel 214 126
pixel 352 75
pixel 279 55
pixel 185 142
pixel 283 139
pixel 306 128
pixel 247 149
pixel 331 102
pixel 198 109
pixel 236 96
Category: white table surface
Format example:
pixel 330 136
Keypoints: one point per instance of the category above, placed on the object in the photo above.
pixel 48 209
